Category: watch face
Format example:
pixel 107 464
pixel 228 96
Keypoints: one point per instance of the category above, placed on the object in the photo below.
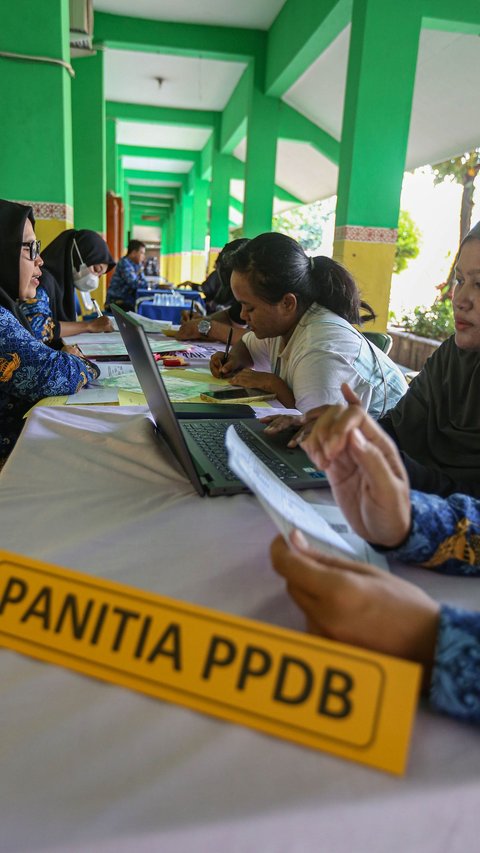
pixel 204 327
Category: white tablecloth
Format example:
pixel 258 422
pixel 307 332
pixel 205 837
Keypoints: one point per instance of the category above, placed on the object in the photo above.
pixel 86 766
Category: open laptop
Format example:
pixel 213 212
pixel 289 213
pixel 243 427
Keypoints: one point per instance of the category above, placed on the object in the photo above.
pixel 199 445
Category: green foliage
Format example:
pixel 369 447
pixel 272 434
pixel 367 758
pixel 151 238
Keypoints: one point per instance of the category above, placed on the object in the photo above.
pixel 408 241
pixel 434 322
pixel 305 224
pixel 458 169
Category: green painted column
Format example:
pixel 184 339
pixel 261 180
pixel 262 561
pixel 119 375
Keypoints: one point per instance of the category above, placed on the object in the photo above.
pixel 381 75
pixel 185 259
pixel 112 157
pixel 262 136
pixel 36 136
pixel 88 123
pixel 220 196
pixel 201 194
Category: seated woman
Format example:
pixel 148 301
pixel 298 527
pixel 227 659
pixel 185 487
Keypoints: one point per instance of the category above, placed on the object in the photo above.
pixel 29 370
pixel 437 424
pixel 359 604
pixel 302 343
pixel 222 308
pixel 73 260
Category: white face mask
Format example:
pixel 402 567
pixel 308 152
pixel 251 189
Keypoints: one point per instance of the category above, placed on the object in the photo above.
pixel 83 279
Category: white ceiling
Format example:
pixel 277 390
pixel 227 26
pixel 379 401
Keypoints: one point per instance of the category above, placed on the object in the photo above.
pixel 319 93
pixel 144 182
pixel 161 135
pixel 188 82
pixel 154 164
pixel 444 118
pixel 256 14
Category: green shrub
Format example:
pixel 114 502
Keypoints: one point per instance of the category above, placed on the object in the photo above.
pixel 434 322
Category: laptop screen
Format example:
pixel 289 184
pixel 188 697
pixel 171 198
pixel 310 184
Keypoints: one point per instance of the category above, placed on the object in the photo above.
pixel 153 387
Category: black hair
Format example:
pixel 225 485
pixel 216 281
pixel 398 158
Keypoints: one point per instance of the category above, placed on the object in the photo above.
pixel 276 264
pixel 223 264
pixel 134 246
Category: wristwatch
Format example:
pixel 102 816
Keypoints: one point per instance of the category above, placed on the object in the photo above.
pixel 204 327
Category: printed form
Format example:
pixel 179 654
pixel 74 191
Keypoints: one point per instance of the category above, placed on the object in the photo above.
pixel 325 527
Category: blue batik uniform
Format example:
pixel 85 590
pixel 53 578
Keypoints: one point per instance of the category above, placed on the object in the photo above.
pixel 29 371
pixel 127 277
pixel 39 315
pixel 445 536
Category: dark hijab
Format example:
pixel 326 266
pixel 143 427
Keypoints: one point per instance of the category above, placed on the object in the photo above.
pixel 437 422
pixel 58 258
pixel 12 223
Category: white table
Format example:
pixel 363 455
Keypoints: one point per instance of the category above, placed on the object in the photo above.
pixel 87 766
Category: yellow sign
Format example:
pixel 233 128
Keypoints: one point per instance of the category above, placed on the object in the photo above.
pixel 321 694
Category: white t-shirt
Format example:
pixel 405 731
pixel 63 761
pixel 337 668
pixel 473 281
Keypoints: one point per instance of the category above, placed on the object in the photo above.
pixel 323 352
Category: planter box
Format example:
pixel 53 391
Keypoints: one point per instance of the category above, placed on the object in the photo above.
pixel 410 350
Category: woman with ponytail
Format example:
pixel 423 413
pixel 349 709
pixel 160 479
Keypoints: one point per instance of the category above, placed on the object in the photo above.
pixel 302 345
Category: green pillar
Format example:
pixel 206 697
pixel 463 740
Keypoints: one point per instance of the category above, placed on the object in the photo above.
pixel 201 192
pixel 36 136
pixel 88 121
pixel 380 81
pixel 185 271
pixel 262 135
pixel 112 157
pixel 220 196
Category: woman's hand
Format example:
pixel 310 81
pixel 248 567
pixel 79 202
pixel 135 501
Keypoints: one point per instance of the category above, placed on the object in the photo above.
pixel 248 378
pixel 365 471
pixel 188 331
pixel 355 603
pixel 99 324
pixel 219 369
pixel 302 423
pixel 238 358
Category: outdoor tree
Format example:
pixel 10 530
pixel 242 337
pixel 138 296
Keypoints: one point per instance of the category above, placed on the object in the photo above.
pixel 463 169
pixel 408 242
pixel 305 224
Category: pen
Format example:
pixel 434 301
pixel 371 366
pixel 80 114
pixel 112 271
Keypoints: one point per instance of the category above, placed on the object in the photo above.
pixel 227 348
pixel 191 308
pixel 97 309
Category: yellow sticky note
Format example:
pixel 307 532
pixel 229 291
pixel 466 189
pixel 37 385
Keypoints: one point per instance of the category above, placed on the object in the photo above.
pixel 131 398
pixel 329 696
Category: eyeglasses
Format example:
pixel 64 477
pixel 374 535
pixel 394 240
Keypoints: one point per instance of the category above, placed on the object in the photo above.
pixel 34 248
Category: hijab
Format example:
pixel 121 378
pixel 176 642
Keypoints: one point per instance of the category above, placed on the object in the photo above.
pixel 61 254
pixel 12 223
pixel 437 422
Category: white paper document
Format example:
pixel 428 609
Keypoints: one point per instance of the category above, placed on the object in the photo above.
pixel 150 325
pixel 325 527
pixel 109 347
pixel 95 394
pixel 109 369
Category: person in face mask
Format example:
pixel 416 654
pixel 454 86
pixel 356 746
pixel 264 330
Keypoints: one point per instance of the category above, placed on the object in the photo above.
pixel 29 370
pixel 73 261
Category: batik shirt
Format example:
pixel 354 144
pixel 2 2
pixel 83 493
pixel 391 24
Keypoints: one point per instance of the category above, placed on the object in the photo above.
pixel 29 370
pixel 39 315
pixel 124 282
pixel 445 536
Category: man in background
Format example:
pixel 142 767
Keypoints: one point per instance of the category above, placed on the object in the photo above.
pixel 128 276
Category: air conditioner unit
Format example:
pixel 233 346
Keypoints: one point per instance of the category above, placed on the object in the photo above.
pixel 81 27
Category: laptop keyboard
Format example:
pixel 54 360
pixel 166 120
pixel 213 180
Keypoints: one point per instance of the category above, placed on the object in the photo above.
pixel 210 437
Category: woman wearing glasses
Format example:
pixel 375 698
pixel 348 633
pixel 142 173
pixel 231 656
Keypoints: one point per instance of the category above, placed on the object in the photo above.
pixel 29 370
pixel 73 261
